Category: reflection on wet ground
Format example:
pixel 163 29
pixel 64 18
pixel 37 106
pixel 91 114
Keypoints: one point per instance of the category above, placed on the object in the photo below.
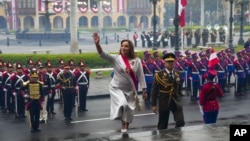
pixel 212 132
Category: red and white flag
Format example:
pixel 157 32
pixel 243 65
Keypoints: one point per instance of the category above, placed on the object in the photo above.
pixel 213 59
pixel 181 12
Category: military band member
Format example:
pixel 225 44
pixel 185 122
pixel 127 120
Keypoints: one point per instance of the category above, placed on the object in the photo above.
pixel 189 36
pixel 197 36
pixel 205 35
pixel 67 82
pixel 222 34
pixel 143 38
pixel 165 94
pixel 9 104
pixel 213 35
pixel 33 96
pixel 52 79
pixel 246 69
pixel 82 81
pixel 18 91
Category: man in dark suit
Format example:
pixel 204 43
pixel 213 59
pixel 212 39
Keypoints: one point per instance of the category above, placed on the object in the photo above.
pixel 165 93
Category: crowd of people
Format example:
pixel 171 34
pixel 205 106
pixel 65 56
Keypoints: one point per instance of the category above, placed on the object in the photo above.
pixel 34 89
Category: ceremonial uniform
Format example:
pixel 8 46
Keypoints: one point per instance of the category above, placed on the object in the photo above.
pixel 67 82
pixel 221 71
pixel 9 99
pixel 148 70
pixel 240 65
pixel 165 95
pixel 52 79
pixel 18 91
pixel 205 35
pixel 189 36
pixel 195 76
pixel 204 66
pixel 222 34
pixel 34 104
pixel 31 65
pixel 197 36
pixel 209 93
pixel 1 90
pixel 135 37
pixel 143 39
pixel 82 81
pixel 180 66
pixel 213 35
pixel 230 66
pixel 57 71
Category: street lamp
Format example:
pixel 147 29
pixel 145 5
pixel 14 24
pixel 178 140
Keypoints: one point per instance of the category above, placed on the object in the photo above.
pixel 154 23
pixel 241 40
pixel 159 10
pixel 176 24
pixel 230 44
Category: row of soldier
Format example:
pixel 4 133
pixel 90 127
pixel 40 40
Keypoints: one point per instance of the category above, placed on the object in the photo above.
pixel 165 39
pixel 193 69
pixel 68 81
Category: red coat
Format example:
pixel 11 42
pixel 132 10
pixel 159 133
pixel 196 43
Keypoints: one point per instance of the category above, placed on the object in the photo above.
pixel 208 96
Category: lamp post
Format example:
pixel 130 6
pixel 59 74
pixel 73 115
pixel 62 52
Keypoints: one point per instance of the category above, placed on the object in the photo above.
pixel 230 44
pixel 159 11
pixel 176 24
pixel 154 23
pixel 241 40
pixel 47 27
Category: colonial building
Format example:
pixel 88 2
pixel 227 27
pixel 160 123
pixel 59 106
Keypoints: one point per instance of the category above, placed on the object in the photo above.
pixel 27 14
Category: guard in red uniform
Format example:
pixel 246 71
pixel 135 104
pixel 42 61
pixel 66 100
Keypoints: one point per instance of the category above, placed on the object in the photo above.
pixel 209 93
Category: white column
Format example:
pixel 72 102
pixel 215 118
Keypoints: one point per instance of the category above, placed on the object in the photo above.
pixel 202 13
pixel 73 27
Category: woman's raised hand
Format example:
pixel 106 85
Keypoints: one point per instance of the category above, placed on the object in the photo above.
pixel 96 38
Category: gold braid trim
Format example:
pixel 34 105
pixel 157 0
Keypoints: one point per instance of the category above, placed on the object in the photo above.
pixel 165 84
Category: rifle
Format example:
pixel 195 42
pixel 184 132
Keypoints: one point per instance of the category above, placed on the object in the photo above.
pixel 16 108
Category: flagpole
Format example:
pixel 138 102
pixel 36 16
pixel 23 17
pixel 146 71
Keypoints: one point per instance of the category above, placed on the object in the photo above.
pixel 182 40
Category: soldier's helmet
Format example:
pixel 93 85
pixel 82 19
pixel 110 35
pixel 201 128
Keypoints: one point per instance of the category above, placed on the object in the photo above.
pixel 30 62
pixel 156 54
pixel 9 65
pixel 19 66
pixel 71 62
pixel 33 73
pixel 177 53
pixel 195 56
pixel 239 54
pixel 39 64
pixel 48 64
pixel 61 62
pixel 1 63
pixel 164 52
pixel 81 64
pixel 187 52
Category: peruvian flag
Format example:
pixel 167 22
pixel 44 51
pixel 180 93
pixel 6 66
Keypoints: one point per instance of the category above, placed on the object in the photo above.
pixel 181 12
pixel 213 59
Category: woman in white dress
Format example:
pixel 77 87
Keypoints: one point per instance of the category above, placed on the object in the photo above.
pixel 123 86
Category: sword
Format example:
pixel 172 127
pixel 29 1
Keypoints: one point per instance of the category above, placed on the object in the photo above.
pixel 77 102
pixel 16 106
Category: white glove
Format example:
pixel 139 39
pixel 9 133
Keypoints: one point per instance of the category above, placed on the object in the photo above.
pixel 14 93
pixel 76 87
pixel 26 96
pixel 4 89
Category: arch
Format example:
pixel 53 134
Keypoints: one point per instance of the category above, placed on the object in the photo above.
pixel 2 22
pixel 107 21
pixel 18 24
pixel 28 22
pixel 144 22
pixel 132 22
pixel 68 23
pixel 94 21
pixel 58 22
pixel 83 21
pixel 121 21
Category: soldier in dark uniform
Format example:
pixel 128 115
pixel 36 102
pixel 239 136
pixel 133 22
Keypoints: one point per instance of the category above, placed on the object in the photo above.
pixel 230 66
pixel 172 39
pixel 6 86
pixel 143 38
pixel 18 91
pixel 165 39
pixel 33 96
pixel 213 35
pixel 68 83
pixel 30 64
pixel 189 36
pixel 165 94
pixel 197 36
pixel 52 79
pixel 1 90
pixel 148 38
pixel 222 35
pixel 82 81
pixel 205 35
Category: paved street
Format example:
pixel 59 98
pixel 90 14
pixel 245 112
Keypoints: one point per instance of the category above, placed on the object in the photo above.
pixel 94 125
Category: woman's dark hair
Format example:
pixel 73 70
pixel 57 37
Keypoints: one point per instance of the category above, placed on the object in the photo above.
pixel 131 47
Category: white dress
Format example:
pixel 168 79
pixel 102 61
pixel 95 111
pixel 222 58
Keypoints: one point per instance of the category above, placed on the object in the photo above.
pixel 121 87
